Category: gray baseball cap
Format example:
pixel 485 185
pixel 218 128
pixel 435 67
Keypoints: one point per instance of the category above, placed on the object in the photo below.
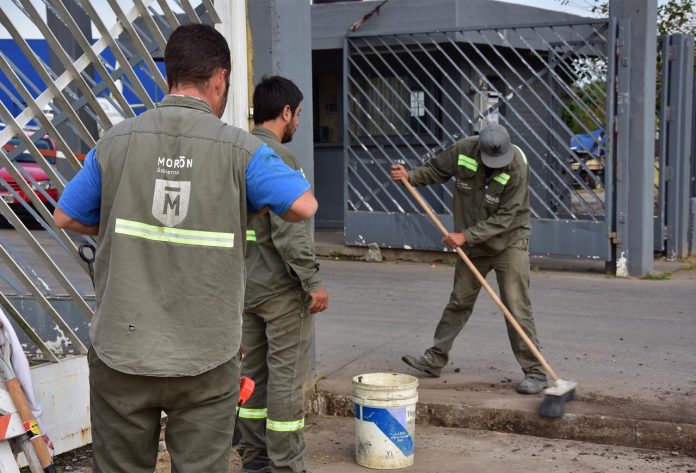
pixel 496 150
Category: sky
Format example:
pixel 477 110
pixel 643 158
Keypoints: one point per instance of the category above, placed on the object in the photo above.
pixel 578 7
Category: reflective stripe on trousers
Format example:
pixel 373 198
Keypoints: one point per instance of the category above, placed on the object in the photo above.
pixel 275 425
pixel 248 413
pixel 290 426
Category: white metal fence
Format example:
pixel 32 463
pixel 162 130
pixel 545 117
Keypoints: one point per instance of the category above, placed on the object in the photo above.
pixel 97 62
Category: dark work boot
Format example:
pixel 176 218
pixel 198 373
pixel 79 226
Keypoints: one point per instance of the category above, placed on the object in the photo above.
pixel 531 385
pixel 421 364
pixel 259 464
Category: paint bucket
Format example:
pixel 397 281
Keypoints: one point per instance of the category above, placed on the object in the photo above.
pixel 385 419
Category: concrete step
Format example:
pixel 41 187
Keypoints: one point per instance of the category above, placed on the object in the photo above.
pixel 588 418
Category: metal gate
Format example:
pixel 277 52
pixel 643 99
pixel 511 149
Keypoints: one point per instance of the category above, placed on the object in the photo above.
pixel 58 95
pixel 409 96
pixel 674 172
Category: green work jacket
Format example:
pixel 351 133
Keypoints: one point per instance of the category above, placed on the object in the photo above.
pixel 170 256
pixel 280 255
pixel 492 212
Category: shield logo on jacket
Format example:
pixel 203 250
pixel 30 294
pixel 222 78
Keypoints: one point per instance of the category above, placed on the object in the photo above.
pixel 170 202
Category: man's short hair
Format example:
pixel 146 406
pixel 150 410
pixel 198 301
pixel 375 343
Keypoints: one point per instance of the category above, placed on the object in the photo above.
pixel 271 95
pixel 193 53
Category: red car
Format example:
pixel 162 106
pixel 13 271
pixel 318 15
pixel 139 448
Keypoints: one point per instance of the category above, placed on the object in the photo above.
pixel 48 148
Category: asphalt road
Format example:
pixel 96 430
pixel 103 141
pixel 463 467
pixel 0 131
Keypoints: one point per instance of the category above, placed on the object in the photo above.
pixel 618 337
pixel 627 338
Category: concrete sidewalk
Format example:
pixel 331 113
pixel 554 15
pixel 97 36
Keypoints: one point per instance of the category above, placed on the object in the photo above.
pixel 629 342
pixel 331 449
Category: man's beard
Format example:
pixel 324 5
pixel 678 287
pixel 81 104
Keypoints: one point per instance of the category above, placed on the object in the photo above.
pixel 287 133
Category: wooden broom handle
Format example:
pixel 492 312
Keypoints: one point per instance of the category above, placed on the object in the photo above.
pixel 510 318
pixel 20 402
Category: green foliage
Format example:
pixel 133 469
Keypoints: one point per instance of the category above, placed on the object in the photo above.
pixel 673 16
pixel 677 16
pixel 689 264
pixel 586 107
pixel 662 276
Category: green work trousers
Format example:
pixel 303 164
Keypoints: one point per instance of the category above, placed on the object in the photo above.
pixel 126 413
pixel 276 341
pixel 512 273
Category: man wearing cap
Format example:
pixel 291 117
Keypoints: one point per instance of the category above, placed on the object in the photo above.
pixel 491 225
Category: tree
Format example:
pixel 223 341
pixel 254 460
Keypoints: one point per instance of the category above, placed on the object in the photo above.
pixel 673 16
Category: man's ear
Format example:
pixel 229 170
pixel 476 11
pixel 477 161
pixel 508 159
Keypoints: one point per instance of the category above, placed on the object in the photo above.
pixel 287 113
pixel 222 76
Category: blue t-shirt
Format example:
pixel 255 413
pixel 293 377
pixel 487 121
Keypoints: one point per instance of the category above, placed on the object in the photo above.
pixel 270 183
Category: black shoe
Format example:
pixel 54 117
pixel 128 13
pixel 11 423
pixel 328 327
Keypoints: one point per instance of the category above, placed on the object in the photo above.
pixel 259 464
pixel 421 364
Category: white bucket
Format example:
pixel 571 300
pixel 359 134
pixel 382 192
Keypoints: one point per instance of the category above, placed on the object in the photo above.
pixel 385 419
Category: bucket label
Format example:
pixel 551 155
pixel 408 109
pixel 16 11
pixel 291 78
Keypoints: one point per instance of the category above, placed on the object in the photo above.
pixel 391 422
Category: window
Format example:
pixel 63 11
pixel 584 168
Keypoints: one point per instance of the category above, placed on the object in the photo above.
pixel 327 110
pixel 387 106
pixel 417 103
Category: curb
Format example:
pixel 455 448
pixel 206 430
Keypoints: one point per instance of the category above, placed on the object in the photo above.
pixel 333 251
pixel 668 435
pixel 336 251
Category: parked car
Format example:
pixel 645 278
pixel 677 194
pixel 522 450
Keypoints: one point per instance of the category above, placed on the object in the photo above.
pixel 48 148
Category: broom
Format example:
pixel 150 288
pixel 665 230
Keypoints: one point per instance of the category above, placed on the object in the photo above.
pixel 561 390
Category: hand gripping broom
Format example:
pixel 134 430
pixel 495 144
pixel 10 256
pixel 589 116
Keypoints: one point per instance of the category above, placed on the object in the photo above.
pixel 561 391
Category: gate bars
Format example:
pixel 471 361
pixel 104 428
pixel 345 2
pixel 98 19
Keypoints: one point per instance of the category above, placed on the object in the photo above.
pixel 410 95
pixel 118 71
pixel 674 172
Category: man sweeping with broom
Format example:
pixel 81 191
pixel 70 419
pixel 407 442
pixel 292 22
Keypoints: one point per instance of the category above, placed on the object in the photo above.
pixel 492 226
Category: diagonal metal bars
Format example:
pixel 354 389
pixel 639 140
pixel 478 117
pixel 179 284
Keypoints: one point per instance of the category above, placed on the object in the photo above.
pixel 411 95
pixel 55 103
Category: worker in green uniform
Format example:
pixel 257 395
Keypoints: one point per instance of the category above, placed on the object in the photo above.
pixel 168 193
pixel 283 290
pixel 491 225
